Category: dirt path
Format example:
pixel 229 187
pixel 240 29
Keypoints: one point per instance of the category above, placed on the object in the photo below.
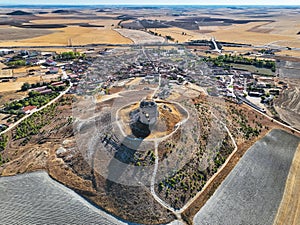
pixel 252 192
pixel 189 203
pixel 289 209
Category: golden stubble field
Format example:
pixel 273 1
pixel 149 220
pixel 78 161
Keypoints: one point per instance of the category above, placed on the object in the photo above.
pixel 140 37
pixel 77 35
pixel 177 34
pixel 289 209
pixel 242 33
pixel 283 31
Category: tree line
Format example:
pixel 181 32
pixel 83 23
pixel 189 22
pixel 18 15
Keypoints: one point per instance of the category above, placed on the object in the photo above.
pixel 69 55
pixel 34 98
pixel 222 60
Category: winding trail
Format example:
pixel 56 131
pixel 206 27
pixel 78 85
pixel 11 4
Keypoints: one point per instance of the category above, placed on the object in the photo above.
pixel 155 196
pixel 190 202
pixel 178 212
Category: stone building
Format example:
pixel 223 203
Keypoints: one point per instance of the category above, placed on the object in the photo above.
pixel 148 112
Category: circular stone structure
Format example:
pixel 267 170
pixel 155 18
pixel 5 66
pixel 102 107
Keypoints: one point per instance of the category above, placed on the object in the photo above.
pixel 150 119
pixel 148 112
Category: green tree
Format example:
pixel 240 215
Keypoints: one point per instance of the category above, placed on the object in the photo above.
pixel 25 86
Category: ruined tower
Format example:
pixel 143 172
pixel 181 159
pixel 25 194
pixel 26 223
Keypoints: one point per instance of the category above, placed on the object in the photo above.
pixel 148 112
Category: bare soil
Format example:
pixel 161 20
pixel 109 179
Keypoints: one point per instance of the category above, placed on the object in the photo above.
pixel 287 105
pixel 8 34
pixel 39 152
pixel 243 146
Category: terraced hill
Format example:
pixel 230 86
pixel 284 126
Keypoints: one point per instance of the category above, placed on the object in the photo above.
pixel 287 105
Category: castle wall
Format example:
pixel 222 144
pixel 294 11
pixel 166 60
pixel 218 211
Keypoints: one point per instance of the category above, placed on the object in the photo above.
pixel 148 112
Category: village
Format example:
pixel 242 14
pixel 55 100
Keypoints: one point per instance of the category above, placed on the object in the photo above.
pixel 106 71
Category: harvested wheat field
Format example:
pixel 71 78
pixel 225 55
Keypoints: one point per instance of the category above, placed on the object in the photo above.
pixel 78 36
pixel 97 22
pixel 290 53
pixel 140 37
pixel 14 33
pixel 241 34
pixel 283 26
pixel 289 210
pixel 252 192
pixel 177 34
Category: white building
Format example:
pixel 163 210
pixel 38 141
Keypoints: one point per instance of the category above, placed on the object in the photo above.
pixel 6 51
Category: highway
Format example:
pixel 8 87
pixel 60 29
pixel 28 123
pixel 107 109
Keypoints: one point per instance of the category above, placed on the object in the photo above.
pixel 276 47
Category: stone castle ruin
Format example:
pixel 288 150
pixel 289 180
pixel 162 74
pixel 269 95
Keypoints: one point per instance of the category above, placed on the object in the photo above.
pixel 143 118
pixel 148 112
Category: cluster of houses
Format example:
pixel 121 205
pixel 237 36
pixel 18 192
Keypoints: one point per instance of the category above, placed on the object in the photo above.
pixel 31 58
pixel 243 83
pixel 68 71
pixel 46 90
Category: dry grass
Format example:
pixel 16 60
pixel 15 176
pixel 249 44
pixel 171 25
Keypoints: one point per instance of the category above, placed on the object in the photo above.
pixel 31 79
pixel 6 73
pixel 284 26
pixel 2 65
pixel 289 209
pixel 237 49
pixel 241 34
pixel 136 81
pixel 25 69
pixel 51 77
pixel 10 86
pixel 10 96
pixel 176 33
pixel 289 53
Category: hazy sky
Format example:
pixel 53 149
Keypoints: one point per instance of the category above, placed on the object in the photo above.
pixel 154 2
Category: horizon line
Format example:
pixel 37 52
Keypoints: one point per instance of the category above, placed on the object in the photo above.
pixel 146 4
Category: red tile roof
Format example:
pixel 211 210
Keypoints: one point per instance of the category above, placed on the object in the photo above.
pixel 29 108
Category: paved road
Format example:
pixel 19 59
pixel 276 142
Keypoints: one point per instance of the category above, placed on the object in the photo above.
pixel 270 118
pixel 28 115
pixel 252 192
pixel 215 45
